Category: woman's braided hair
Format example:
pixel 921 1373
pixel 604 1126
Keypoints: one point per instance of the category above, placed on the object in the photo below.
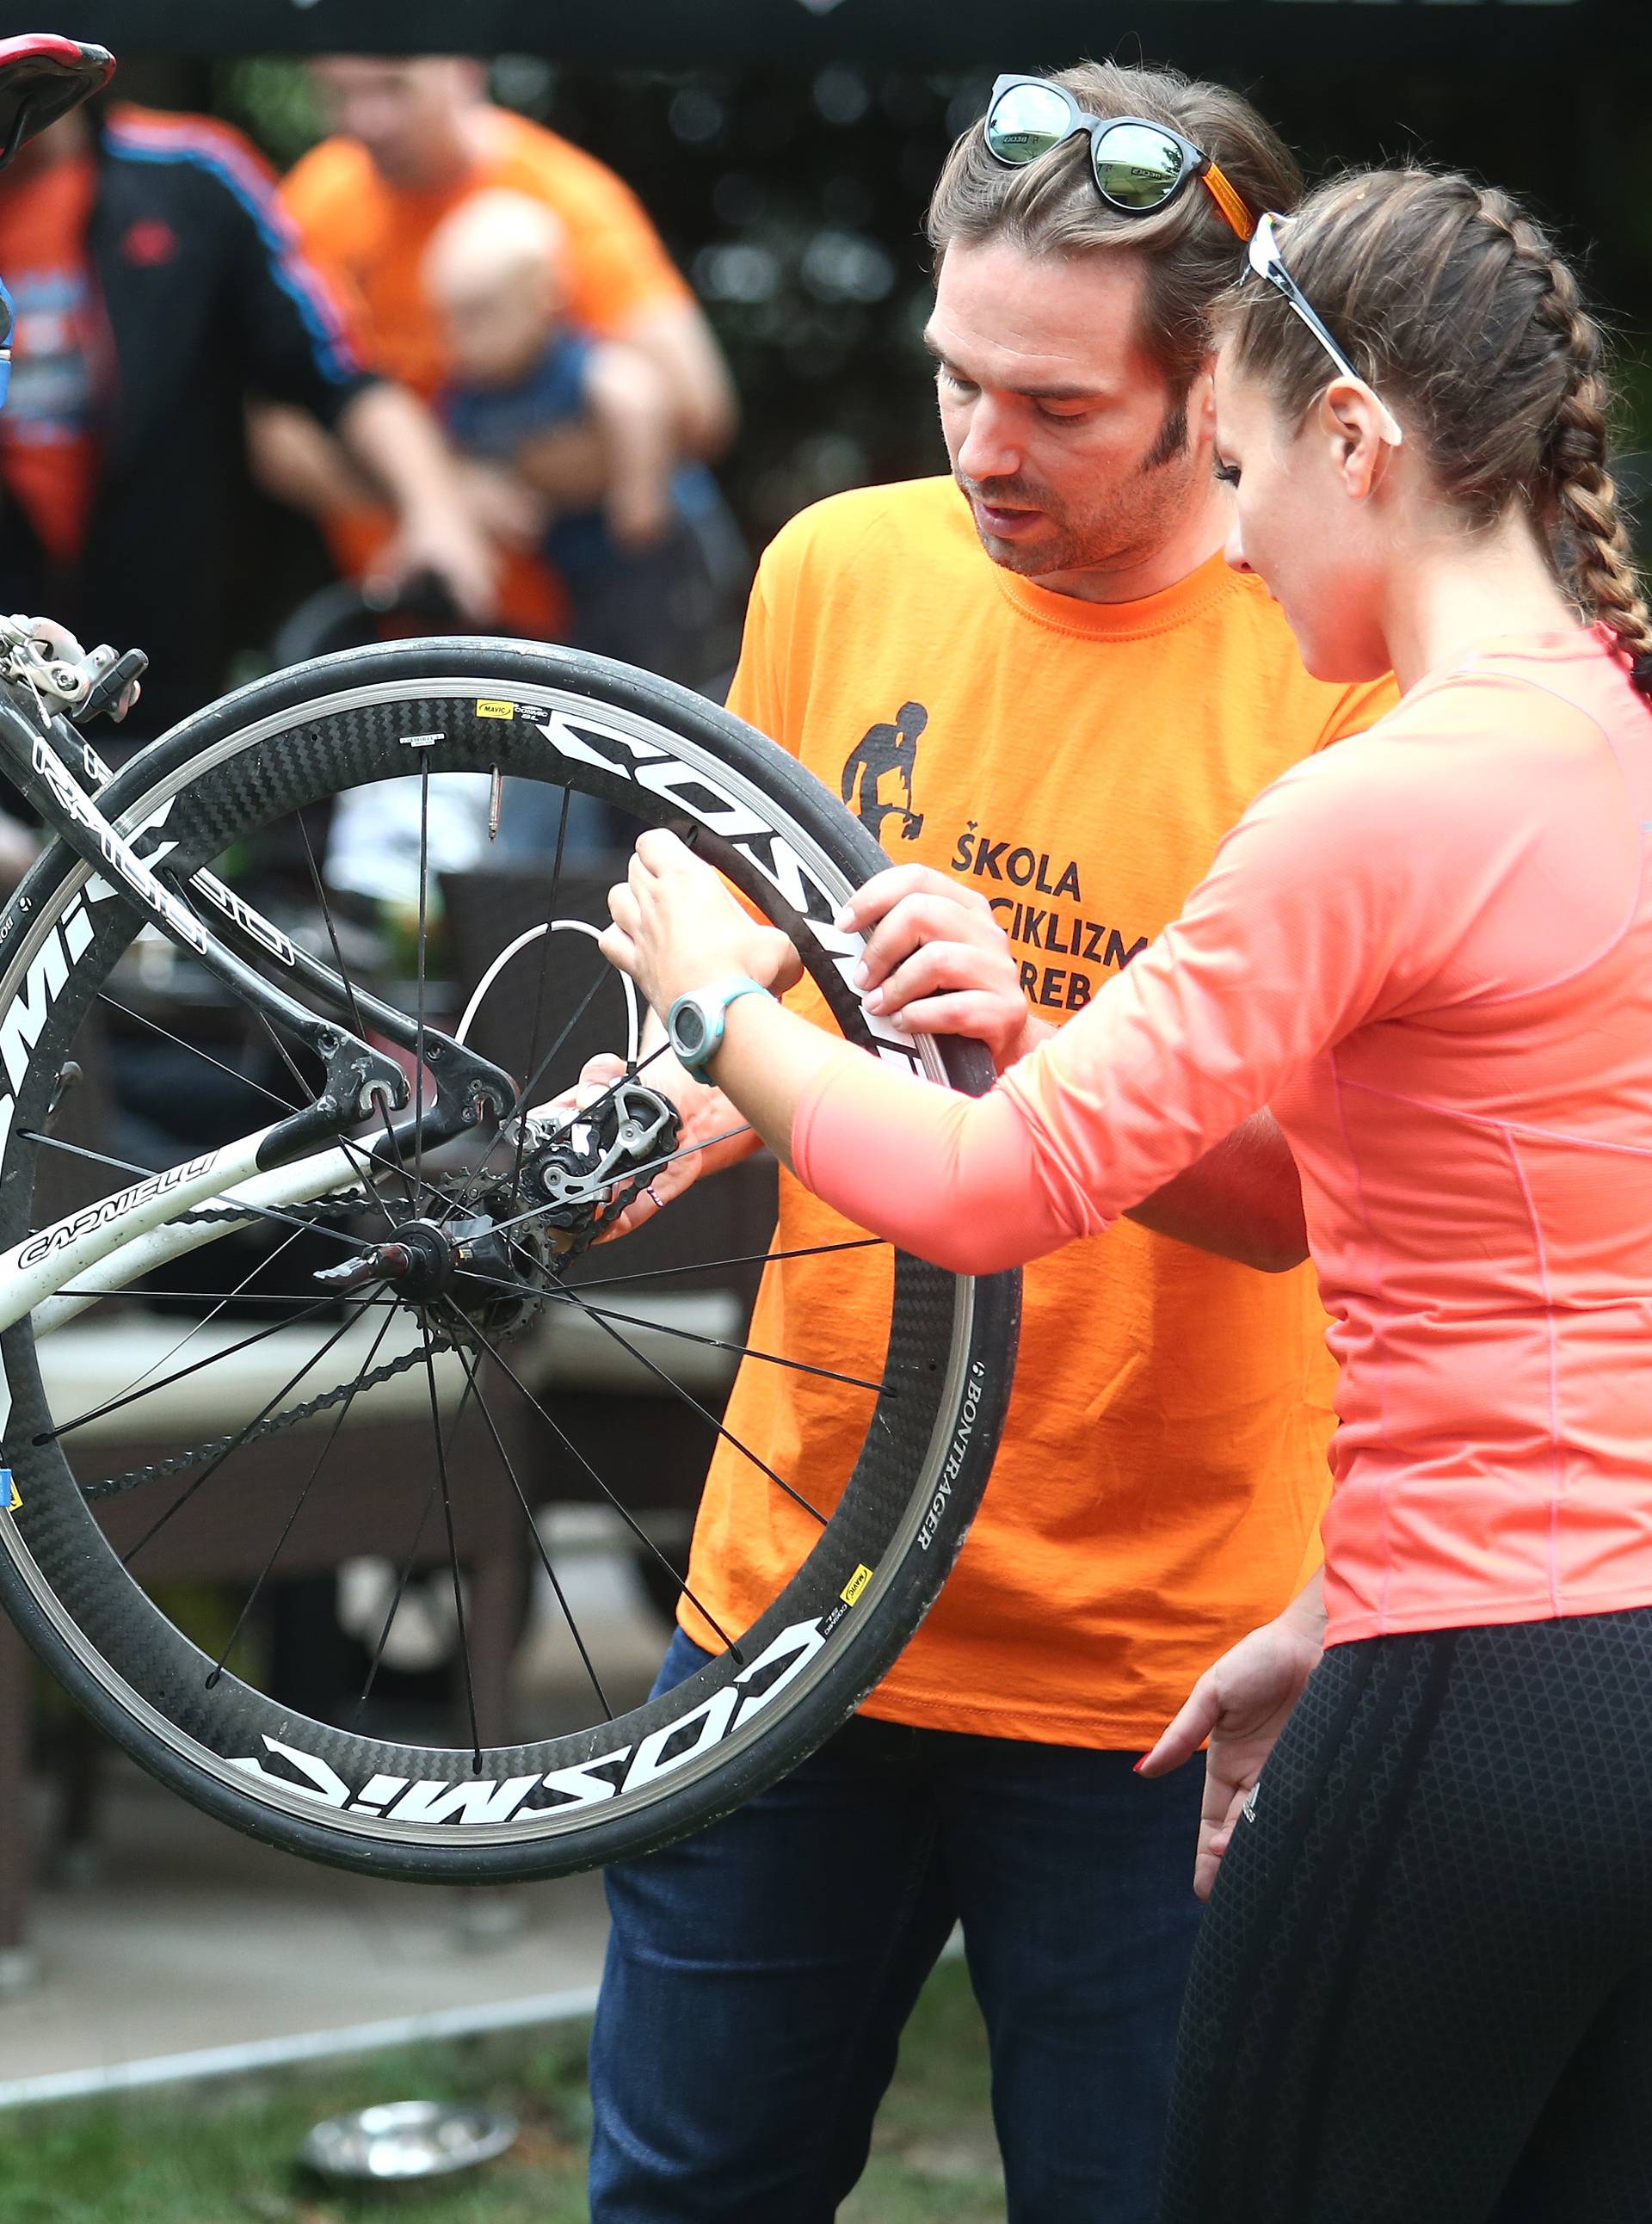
pixel 1451 299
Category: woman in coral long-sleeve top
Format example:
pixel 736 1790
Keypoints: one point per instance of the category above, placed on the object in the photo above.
pixel 1424 1991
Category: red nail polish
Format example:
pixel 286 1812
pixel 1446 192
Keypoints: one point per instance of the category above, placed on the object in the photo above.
pixel 1138 1766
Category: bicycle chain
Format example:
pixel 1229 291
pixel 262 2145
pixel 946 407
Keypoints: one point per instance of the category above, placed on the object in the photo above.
pixel 180 1463
pixel 315 1214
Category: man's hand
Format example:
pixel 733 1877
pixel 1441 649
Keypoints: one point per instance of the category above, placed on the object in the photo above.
pixel 1240 1705
pixel 704 1112
pixel 391 434
pixel 937 957
pixel 446 544
pixel 502 504
pixel 675 927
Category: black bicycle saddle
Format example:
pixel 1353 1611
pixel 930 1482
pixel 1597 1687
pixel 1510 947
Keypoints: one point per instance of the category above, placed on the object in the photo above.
pixel 42 78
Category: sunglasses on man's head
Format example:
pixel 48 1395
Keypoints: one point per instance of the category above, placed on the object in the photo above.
pixel 1138 167
pixel 1261 253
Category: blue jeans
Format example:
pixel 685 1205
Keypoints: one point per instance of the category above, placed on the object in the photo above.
pixel 760 1972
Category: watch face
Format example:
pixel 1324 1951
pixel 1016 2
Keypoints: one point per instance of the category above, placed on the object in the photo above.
pixel 690 1029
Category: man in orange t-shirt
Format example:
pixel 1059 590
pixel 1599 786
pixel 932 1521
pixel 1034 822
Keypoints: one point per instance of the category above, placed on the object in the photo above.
pixel 417 136
pixel 1040 685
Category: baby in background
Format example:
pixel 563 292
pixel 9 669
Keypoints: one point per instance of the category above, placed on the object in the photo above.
pixel 493 273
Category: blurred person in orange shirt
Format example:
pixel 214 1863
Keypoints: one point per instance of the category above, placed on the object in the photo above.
pixel 655 573
pixel 415 138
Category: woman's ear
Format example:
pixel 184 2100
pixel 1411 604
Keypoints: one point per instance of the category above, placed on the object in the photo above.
pixel 1353 421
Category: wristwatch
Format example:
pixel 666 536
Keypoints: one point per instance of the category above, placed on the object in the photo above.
pixel 695 1021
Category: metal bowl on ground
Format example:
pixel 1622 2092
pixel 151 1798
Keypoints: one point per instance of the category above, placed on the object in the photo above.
pixel 406 2139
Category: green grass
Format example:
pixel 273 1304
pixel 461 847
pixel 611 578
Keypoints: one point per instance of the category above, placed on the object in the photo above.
pixel 225 2154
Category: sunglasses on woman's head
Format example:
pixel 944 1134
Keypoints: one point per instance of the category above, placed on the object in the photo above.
pixel 1138 167
pixel 1261 252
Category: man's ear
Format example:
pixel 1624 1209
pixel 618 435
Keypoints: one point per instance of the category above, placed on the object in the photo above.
pixel 1201 404
pixel 1350 418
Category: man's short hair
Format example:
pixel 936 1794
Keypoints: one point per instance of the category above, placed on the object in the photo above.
pixel 1051 207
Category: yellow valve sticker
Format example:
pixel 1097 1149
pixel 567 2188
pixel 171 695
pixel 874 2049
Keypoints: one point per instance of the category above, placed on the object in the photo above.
pixel 856 1584
pixel 486 708
pixel 10 1496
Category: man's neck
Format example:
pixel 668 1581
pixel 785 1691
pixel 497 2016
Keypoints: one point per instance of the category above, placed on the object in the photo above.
pixel 1194 537
pixel 450 161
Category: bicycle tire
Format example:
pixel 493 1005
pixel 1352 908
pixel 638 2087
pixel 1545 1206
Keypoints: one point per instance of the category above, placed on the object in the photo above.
pixel 654 1771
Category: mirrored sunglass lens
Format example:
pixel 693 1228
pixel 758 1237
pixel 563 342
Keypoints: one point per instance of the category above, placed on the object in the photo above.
pixel 1136 167
pixel 1027 122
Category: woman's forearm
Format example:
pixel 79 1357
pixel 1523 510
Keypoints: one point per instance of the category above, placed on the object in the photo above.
pixel 956 1179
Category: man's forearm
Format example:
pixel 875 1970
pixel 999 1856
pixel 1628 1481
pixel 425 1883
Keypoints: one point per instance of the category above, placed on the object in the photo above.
pixel 295 460
pixel 704 410
pixel 568 464
pixel 390 434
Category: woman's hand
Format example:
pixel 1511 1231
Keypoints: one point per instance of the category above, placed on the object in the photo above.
pixel 936 955
pixel 675 927
pixel 1240 1705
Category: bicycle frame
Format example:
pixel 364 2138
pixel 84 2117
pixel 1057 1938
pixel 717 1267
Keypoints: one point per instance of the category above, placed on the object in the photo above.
pixel 109 1244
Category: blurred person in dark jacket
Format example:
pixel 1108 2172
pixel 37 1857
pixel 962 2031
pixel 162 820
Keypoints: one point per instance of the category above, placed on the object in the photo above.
pixel 158 283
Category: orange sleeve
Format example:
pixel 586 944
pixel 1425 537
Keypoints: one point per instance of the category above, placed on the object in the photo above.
pixel 310 192
pixel 315 194
pixel 754 694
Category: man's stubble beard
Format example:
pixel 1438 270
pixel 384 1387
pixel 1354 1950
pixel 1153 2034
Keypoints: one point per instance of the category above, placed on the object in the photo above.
pixel 1117 532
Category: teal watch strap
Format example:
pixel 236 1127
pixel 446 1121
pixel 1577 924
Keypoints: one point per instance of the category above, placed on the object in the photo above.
pixel 696 1022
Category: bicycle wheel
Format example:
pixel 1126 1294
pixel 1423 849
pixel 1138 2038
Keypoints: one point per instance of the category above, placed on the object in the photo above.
pixel 106 1572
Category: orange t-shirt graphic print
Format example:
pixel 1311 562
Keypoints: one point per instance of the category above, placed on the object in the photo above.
pixel 1077 764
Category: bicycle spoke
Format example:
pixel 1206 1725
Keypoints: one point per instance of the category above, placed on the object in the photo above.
pixel 568 1293
pixel 722 1343
pixel 229 1449
pixel 469 1365
pixel 573 1452
pixel 745 1259
pixel 219 1300
pixel 153 1389
pixel 511 1189
pixel 705 1414
pixel 418 1052
pixel 284 1103
pixel 287 1528
pixel 452 1541
pixel 396 1597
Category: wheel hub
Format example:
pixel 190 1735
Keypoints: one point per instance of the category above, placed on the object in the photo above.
pixel 496 1280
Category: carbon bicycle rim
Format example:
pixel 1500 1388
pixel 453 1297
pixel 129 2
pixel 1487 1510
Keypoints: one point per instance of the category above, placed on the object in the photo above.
pixel 182 1450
